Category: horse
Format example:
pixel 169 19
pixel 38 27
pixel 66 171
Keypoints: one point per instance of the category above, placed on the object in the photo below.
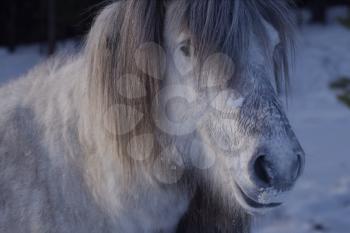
pixel 169 119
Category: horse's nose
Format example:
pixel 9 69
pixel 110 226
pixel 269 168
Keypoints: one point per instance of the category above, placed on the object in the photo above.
pixel 270 171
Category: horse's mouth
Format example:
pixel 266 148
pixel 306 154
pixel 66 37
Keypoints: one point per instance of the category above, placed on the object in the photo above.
pixel 252 204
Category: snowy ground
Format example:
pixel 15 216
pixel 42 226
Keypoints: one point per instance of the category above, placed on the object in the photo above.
pixel 321 200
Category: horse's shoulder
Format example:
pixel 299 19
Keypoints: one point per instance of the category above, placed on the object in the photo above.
pixel 18 131
pixel 22 170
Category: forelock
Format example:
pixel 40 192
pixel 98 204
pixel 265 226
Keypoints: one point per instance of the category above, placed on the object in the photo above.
pixel 227 26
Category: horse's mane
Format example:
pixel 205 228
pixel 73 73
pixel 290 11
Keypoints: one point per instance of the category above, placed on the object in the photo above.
pixel 118 47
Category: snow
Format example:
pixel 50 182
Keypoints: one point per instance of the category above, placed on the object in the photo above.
pixel 13 65
pixel 321 200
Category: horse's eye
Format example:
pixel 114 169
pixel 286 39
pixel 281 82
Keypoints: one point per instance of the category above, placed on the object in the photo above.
pixel 186 50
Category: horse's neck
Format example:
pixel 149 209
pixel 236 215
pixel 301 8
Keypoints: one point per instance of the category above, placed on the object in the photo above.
pixel 145 200
pixel 151 206
pixel 205 214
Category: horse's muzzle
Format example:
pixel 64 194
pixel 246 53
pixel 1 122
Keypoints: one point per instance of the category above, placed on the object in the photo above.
pixel 268 171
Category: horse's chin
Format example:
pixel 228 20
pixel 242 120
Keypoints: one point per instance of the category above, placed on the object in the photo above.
pixel 251 204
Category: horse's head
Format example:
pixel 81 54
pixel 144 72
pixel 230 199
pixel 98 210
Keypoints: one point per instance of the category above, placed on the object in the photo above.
pixel 204 75
pixel 219 100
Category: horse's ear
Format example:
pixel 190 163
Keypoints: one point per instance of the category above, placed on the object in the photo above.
pixel 104 28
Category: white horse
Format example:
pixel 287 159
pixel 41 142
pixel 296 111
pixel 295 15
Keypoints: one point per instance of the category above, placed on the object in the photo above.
pixel 167 121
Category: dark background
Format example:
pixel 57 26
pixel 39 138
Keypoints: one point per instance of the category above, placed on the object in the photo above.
pixel 25 22
pixel 46 21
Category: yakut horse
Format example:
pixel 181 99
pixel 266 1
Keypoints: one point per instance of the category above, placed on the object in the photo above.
pixel 167 121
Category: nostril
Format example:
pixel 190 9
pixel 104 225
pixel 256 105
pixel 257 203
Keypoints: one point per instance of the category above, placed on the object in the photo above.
pixel 261 169
pixel 298 167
